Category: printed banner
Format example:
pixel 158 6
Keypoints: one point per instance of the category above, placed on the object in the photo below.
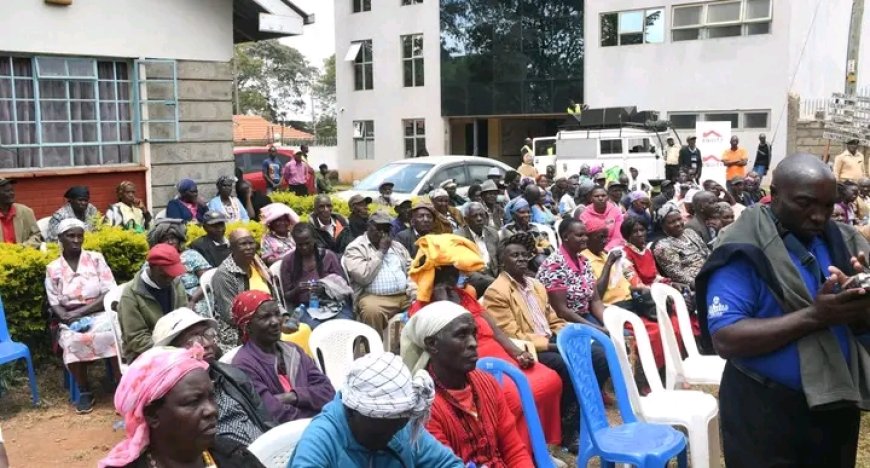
pixel 713 139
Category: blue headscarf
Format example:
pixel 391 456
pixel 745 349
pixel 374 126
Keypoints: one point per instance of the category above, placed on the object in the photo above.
pixel 185 184
pixel 515 205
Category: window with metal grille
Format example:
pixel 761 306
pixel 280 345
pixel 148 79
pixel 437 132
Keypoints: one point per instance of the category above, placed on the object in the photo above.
pixel 412 60
pixel 364 139
pixel 415 137
pixel 721 19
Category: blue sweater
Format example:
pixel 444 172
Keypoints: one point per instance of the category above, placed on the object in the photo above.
pixel 328 443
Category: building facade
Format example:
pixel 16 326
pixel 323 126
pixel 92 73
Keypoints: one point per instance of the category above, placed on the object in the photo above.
pixel 477 77
pixel 141 90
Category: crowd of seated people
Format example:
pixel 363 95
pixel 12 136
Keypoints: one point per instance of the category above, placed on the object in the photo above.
pixel 470 278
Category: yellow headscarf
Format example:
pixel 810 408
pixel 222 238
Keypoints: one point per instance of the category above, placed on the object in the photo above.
pixel 437 250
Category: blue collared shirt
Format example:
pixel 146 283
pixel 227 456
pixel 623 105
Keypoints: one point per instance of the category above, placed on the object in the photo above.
pixel 736 292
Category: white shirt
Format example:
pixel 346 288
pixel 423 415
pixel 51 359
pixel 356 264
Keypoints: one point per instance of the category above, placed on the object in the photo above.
pixel 481 245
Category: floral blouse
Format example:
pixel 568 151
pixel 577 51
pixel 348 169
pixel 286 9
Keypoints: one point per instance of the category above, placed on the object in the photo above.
pixel 274 248
pixel 681 258
pixel 560 272
pixel 71 289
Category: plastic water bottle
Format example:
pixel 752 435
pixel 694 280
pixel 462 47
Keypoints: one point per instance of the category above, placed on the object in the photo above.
pixel 81 325
pixel 313 300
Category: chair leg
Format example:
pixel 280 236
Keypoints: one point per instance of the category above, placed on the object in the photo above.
pixel 72 386
pixel 31 376
pixel 699 445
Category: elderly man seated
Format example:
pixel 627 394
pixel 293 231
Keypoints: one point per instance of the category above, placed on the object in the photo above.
pixel 422 223
pixel 155 291
pixel 377 421
pixel 485 237
pixel 241 271
pixel 470 414
pixel 17 221
pixel 241 414
pixel 288 381
pixel 377 267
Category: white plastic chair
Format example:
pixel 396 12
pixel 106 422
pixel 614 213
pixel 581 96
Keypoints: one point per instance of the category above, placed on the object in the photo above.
pixel 695 369
pixel 227 358
pixel 43 226
pixel 551 235
pixel 275 269
pixel 160 214
pixel 332 345
pixel 207 291
pixel 275 447
pixel 109 300
pixel 692 409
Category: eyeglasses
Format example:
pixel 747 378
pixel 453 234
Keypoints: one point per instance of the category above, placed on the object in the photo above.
pixel 207 336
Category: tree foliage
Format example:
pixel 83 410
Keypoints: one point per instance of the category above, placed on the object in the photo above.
pixel 272 78
pixel 324 94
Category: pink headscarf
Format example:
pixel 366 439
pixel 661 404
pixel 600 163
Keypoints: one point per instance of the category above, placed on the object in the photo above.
pixel 612 220
pixel 150 377
pixel 273 211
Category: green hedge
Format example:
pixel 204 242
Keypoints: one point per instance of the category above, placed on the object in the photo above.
pixel 22 269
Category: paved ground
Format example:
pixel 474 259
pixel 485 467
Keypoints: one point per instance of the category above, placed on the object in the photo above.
pixel 53 435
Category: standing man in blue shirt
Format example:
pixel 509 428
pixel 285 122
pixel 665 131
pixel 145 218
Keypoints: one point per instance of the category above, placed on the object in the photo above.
pixel 272 170
pixel 772 299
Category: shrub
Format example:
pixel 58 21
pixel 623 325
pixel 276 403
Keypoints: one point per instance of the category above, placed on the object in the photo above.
pixel 22 286
pixel 195 231
pixel 125 251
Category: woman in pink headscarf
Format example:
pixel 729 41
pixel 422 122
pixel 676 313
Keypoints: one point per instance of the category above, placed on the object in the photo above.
pixel 603 211
pixel 170 416
pixel 279 219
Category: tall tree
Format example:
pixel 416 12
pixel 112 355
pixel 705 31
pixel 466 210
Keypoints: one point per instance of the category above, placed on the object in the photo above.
pixel 323 91
pixel 272 78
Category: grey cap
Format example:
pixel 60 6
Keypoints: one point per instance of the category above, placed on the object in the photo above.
pixel 380 217
pixel 359 198
pixel 213 217
pixel 488 186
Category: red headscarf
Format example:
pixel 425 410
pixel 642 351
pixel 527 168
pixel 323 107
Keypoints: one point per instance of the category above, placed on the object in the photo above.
pixel 245 306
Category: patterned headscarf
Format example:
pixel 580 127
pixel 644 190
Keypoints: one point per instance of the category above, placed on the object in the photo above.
pixel 378 385
pixel 166 226
pixel 150 377
pixel 70 223
pixel 244 307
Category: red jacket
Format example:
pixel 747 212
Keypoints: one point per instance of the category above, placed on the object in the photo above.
pixel 495 425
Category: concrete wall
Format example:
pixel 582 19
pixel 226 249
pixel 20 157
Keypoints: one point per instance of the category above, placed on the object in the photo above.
pixel 204 151
pixel 389 102
pixel 178 29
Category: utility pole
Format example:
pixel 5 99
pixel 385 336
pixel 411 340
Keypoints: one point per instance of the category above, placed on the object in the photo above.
pixel 853 48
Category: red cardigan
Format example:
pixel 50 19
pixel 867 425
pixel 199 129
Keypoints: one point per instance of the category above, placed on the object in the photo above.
pixel 495 423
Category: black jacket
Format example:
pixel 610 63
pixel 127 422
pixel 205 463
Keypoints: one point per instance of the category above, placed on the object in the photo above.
pixel 226 453
pixel 323 239
pixel 687 157
pixel 354 229
pixel 213 254
pixel 408 239
pixel 238 386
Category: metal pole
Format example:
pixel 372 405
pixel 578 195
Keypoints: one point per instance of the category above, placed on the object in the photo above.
pixel 853 47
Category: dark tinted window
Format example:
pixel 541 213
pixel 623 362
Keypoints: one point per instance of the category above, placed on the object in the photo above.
pixel 519 57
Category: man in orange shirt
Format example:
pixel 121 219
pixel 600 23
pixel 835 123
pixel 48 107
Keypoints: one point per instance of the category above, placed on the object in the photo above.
pixel 735 159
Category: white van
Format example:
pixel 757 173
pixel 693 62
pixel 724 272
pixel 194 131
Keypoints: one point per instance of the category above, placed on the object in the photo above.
pixel 638 147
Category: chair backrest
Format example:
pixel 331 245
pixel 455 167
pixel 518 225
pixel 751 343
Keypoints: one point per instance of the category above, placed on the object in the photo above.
pixel 42 223
pixel 332 343
pixel 110 304
pixel 670 346
pixel 160 214
pixel 275 269
pixel 208 292
pixel 4 328
pixel 575 346
pixel 660 293
pixel 499 368
pixel 275 447
pixel 615 319
pixel 111 299
pixel 227 358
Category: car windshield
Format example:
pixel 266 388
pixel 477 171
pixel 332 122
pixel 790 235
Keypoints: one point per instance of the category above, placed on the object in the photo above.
pixel 404 176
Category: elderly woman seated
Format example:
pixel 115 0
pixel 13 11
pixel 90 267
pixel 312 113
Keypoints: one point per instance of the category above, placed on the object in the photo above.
pixel 311 272
pixel 436 270
pixel 226 203
pixel 279 220
pixel 286 379
pixel 78 207
pixel 130 212
pixel 376 422
pixel 186 206
pixel 520 213
pixel 470 414
pixel 167 401
pixel 75 285
pixel 681 253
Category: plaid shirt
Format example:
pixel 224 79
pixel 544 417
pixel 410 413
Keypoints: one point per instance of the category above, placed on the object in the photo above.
pixel 392 277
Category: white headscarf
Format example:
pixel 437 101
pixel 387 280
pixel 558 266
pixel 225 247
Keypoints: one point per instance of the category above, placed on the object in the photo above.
pixel 70 223
pixel 380 386
pixel 427 322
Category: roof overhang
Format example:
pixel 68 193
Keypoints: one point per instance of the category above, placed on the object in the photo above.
pixel 257 20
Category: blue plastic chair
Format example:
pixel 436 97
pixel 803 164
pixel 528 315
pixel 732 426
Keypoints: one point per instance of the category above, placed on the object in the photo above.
pixel 636 443
pixel 13 351
pixel 499 368
pixel 69 382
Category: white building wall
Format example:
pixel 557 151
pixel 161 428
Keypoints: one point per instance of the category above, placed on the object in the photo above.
pixel 726 74
pixel 389 102
pixel 177 29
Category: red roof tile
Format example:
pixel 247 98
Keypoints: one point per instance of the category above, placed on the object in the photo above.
pixel 253 129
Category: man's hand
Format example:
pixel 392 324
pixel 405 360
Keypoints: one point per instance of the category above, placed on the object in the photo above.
pixel 385 244
pixel 840 308
pixel 613 256
pixel 525 360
